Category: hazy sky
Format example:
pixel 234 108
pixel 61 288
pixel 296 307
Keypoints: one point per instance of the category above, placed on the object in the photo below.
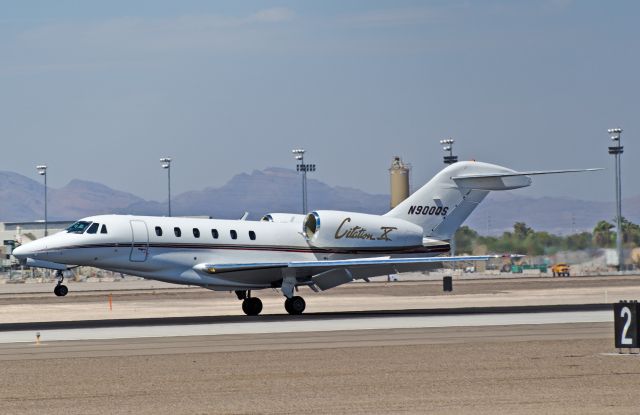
pixel 99 90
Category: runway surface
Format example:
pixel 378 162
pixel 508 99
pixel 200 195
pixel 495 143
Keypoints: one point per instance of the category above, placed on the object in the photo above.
pixel 334 322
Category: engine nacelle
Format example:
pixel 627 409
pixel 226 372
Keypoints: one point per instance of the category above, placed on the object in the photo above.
pixel 336 229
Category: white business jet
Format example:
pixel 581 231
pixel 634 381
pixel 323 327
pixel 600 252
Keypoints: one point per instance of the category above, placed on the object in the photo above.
pixel 321 250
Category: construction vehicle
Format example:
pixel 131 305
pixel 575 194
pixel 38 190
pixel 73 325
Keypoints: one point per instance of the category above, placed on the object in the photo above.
pixel 560 270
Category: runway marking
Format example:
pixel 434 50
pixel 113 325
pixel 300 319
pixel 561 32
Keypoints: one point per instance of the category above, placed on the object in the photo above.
pixel 297 326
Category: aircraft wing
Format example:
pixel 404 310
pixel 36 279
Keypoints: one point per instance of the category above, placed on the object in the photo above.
pixel 330 264
pixel 327 274
pixel 36 263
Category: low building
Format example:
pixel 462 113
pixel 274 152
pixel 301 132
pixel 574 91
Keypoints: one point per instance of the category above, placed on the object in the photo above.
pixel 23 232
pixel 13 234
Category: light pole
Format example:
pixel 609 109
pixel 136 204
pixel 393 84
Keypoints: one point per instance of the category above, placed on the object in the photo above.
pixel 617 150
pixel 448 146
pixel 450 159
pixel 42 171
pixel 298 153
pixel 166 164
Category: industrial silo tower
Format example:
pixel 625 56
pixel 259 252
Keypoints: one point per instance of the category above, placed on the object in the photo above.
pixel 399 173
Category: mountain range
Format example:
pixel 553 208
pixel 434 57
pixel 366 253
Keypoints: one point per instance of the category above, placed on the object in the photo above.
pixel 278 190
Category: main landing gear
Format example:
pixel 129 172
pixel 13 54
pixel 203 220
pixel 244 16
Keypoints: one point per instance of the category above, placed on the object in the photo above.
pixel 252 306
pixel 295 305
pixel 60 289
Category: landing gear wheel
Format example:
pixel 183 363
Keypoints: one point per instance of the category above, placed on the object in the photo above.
pixel 295 305
pixel 63 290
pixel 252 306
pixel 60 290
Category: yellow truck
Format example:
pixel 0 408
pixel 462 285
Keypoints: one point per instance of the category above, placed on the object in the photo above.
pixel 560 270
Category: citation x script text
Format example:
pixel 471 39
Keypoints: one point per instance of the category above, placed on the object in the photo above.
pixel 358 232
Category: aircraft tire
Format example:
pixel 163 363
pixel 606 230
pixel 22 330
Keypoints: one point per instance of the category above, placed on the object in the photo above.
pixel 296 305
pixel 252 306
pixel 62 290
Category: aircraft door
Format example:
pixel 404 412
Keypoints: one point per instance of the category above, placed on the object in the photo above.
pixel 139 241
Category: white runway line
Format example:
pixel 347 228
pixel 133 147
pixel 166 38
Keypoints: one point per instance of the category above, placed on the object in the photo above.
pixel 308 326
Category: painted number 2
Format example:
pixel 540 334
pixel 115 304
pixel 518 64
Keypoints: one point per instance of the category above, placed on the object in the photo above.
pixel 626 312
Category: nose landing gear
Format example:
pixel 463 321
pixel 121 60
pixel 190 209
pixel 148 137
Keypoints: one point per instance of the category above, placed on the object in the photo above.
pixel 60 290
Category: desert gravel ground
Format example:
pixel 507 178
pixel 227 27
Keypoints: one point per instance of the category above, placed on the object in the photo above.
pixel 563 369
pixel 87 292
pixel 38 304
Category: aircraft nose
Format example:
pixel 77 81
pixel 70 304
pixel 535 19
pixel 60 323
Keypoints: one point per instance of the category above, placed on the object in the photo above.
pixel 27 250
pixel 20 252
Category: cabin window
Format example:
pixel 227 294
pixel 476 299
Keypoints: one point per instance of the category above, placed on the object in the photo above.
pixel 252 235
pixel 93 228
pixel 196 232
pixel 177 232
pixel 214 233
pixel 158 231
pixel 103 229
pixel 234 234
pixel 78 227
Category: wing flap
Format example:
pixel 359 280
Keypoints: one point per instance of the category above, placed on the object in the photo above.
pixel 332 278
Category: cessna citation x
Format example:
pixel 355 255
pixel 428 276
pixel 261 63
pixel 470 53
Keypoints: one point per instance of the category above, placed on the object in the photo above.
pixel 321 250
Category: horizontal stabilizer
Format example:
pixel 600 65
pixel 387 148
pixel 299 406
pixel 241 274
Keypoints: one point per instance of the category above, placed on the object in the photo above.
pixel 505 180
pixel 524 173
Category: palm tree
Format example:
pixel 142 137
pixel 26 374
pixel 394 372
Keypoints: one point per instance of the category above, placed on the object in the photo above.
pixel 602 235
pixel 630 232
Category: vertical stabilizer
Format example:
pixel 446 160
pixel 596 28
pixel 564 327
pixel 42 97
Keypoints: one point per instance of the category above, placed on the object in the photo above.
pixel 447 200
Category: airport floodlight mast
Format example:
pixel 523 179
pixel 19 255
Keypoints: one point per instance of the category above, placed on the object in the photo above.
pixel 298 153
pixel 448 146
pixel 42 171
pixel 166 164
pixel 616 150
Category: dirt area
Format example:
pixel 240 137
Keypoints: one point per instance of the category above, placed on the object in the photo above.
pixel 483 376
pixel 112 301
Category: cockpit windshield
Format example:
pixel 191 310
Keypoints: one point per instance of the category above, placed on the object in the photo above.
pixel 78 227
